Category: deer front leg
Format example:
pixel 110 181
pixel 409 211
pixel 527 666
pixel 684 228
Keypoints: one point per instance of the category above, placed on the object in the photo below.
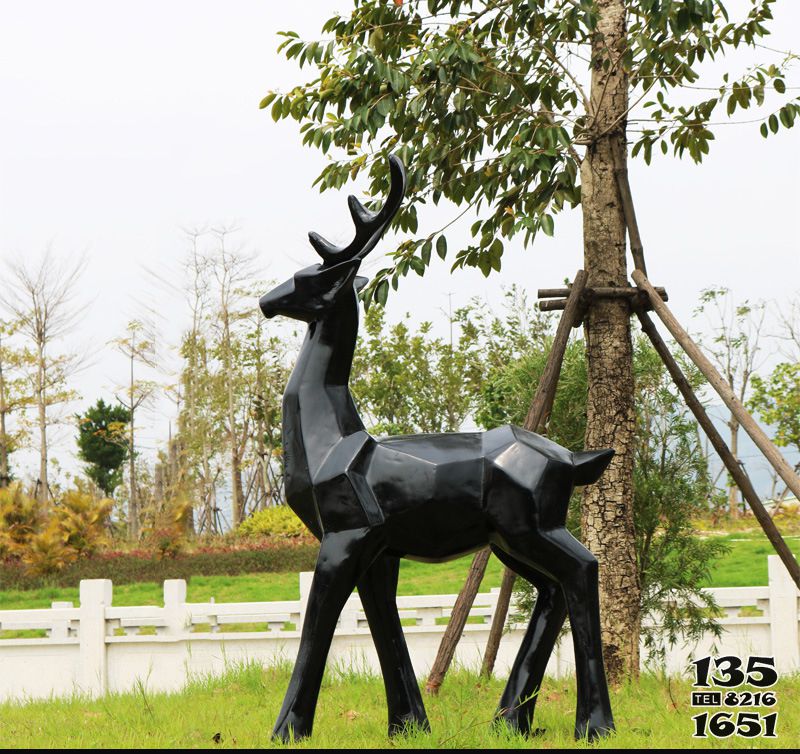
pixel 343 557
pixel 517 705
pixel 377 589
pixel 577 571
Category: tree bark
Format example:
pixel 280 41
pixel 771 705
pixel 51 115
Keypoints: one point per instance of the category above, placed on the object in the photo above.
pixel 607 510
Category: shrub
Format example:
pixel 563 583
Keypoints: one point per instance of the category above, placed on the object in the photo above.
pixel 166 526
pixel 277 556
pixel 21 516
pixel 46 540
pixel 81 521
pixel 277 521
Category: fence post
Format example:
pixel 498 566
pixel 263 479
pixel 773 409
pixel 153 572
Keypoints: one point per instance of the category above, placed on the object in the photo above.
pixel 783 616
pixel 95 597
pixel 60 630
pixel 176 613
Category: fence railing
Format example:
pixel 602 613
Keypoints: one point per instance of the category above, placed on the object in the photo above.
pixel 97 647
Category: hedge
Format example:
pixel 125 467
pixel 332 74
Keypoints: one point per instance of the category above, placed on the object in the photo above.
pixel 290 555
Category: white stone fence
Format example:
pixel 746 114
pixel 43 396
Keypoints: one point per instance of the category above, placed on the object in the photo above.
pixel 97 648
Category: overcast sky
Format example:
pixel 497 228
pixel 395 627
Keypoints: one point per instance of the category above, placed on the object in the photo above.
pixel 125 122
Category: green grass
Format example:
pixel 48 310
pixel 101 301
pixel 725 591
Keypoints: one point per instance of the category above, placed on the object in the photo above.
pixel 744 565
pixel 239 710
pixel 746 562
pixel 415 578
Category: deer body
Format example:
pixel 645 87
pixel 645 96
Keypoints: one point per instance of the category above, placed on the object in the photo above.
pixel 427 497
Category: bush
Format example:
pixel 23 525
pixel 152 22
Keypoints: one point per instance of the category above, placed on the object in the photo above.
pixel 277 521
pixel 81 520
pixel 21 516
pixel 44 539
pixel 134 566
pixel 166 526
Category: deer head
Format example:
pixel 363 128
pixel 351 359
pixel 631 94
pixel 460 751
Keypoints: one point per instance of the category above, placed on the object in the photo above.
pixel 314 290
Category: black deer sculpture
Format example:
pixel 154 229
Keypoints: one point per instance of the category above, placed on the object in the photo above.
pixel 430 497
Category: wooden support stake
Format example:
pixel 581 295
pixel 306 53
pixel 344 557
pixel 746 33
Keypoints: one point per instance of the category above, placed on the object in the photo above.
pixel 458 619
pixel 601 292
pixel 759 437
pixel 540 408
pixel 736 471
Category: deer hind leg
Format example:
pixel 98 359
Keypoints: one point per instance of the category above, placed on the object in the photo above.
pixel 575 568
pixel 377 589
pixel 343 557
pixel 517 705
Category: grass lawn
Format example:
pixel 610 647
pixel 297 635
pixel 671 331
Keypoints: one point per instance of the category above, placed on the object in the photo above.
pixel 744 565
pixel 746 562
pixel 239 710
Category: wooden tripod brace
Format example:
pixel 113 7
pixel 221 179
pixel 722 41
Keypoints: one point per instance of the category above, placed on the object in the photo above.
pixel 642 298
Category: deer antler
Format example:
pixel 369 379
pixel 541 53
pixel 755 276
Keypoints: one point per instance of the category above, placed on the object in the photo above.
pixel 370 226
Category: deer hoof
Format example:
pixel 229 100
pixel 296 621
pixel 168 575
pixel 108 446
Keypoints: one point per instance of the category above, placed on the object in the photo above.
pixel 596 727
pixel 290 728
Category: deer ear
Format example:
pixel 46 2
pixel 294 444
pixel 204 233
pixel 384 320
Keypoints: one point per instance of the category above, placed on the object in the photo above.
pixel 360 282
pixel 589 465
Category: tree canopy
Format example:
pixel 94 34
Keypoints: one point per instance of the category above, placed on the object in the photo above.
pixel 486 102
pixel 103 443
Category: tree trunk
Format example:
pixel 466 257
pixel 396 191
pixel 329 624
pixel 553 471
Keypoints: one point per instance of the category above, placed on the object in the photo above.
pixel 43 487
pixel 5 477
pixel 607 511
pixel 133 501
pixel 237 497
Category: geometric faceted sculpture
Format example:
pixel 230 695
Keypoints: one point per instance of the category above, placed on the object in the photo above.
pixel 428 497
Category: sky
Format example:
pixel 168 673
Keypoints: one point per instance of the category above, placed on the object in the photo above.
pixel 125 124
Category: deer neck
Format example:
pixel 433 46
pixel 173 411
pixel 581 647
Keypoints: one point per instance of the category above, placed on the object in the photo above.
pixel 318 409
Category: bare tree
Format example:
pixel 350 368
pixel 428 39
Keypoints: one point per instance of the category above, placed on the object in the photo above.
pixel 41 297
pixel 14 396
pixel 735 347
pixel 196 425
pixel 232 271
pixel 138 346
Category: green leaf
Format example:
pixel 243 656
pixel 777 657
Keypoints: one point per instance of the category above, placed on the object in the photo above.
pixel 265 102
pixel 547 224
pixel 384 106
pixel 425 254
pixel 779 85
pixel 441 247
pixel 382 292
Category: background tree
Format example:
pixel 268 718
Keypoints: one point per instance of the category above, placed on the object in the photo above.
pixel 103 443
pixel 197 429
pixel 138 347
pixel 41 299
pixel 231 270
pixel 515 110
pixel 406 381
pixel 735 346
pixel 776 397
pixel 232 378
pixel 14 397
